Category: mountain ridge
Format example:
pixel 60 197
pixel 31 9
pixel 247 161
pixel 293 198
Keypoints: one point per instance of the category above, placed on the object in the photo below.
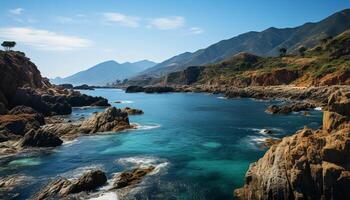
pixel 105 72
pixel 263 43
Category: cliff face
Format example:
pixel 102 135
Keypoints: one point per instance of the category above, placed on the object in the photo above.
pixel 311 164
pixel 22 84
pixel 17 71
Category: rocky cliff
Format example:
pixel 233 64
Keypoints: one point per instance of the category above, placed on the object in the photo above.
pixel 22 84
pixel 311 164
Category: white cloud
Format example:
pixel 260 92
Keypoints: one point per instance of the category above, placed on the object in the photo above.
pixel 195 30
pixel 16 11
pixel 121 19
pixel 167 23
pixel 63 20
pixel 43 39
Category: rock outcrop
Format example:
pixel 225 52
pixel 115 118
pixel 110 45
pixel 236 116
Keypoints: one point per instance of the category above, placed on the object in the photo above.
pixel 83 87
pixel 132 177
pixel 132 111
pixel 311 164
pixel 22 84
pixel 39 138
pixel 112 119
pixel 149 89
pixel 63 187
pixel 15 126
pixel 289 107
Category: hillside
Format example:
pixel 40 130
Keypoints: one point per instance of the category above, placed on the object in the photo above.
pixel 326 64
pixel 265 43
pixel 105 72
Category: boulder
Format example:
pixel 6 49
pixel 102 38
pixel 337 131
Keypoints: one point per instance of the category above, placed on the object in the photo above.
pixel 132 111
pixel 20 124
pixel 83 87
pixel 22 110
pixel 112 119
pixel 63 187
pixel 134 88
pixel 288 108
pixel 132 177
pixel 39 138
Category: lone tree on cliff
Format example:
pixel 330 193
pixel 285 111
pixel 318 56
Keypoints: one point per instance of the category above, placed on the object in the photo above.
pixel 8 45
pixel 283 51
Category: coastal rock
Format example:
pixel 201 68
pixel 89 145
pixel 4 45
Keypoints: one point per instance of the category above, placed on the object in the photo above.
pixel 288 108
pixel 311 164
pixel 78 100
pixel 65 86
pixel 132 111
pixel 158 89
pixel 134 88
pixel 17 125
pixel 22 110
pixel 3 109
pixel 63 187
pixel 39 138
pixel 111 119
pixel 83 87
pixel 130 178
pixel 149 89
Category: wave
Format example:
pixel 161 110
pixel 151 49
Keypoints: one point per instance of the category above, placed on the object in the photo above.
pixel 318 108
pixel 106 196
pixel 147 126
pixel 124 101
pixel 222 98
pixel 144 162
pixel 265 131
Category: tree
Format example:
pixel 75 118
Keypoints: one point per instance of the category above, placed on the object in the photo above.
pixel 302 51
pixel 8 45
pixel 282 51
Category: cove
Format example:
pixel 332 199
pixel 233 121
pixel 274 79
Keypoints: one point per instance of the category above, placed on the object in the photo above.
pixel 201 144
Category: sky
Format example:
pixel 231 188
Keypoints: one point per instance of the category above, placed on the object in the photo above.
pixel 67 36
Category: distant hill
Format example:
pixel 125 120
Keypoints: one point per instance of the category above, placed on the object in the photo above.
pixel 328 63
pixel 105 72
pixel 265 43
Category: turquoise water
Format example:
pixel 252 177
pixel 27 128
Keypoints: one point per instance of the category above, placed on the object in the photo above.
pixel 201 144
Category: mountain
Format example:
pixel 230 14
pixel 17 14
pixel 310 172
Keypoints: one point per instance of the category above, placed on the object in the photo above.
pixel 264 43
pixel 105 72
pixel 328 63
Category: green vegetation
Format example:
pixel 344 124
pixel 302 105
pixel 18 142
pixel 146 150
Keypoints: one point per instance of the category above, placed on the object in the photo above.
pixel 8 45
pixel 327 63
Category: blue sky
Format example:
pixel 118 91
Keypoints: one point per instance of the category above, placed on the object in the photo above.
pixel 64 37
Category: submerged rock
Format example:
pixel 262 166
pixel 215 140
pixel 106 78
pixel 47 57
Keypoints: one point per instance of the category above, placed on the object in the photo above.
pixel 130 178
pixel 63 187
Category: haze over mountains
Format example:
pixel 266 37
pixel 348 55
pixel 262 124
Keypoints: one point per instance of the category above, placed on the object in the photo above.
pixel 264 43
pixel 106 72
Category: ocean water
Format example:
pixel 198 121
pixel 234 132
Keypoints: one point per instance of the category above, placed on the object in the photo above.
pixel 201 145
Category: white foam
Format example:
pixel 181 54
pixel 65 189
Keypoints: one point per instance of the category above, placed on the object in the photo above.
pixel 106 196
pixel 222 97
pixel 147 126
pixel 318 108
pixel 144 162
pixel 69 142
pixel 125 101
